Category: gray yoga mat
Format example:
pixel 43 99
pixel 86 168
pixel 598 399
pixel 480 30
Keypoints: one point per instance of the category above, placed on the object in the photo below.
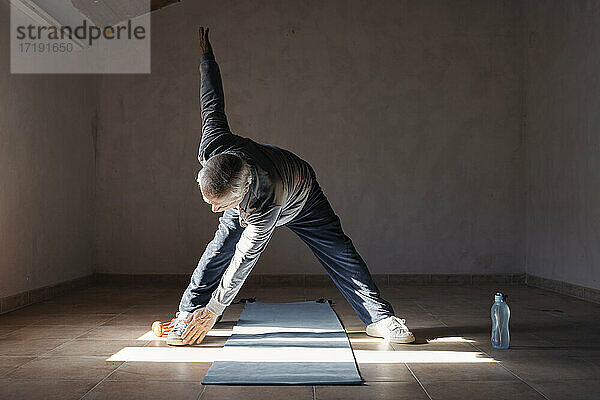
pixel 300 343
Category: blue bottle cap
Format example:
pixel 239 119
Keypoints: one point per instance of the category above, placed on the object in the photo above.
pixel 498 297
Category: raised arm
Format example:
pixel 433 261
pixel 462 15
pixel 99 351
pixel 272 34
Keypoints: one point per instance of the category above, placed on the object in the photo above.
pixel 212 99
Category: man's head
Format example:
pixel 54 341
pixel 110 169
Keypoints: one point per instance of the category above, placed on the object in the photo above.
pixel 224 181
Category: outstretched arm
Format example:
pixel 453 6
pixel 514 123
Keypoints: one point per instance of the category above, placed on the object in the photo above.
pixel 212 99
pixel 253 241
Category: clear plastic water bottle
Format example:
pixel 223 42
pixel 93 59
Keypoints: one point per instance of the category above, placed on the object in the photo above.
pixel 500 318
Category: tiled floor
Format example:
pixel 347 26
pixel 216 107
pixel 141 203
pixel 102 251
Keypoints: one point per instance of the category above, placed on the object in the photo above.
pixel 62 348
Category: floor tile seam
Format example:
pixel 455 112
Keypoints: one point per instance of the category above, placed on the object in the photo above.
pixel 427 312
pixel 458 314
pixel 419 305
pixel 98 325
pixel 20 328
pixel 201 392
pixel 39 313
pixel 70 356
pixel 440 321
pixel 13 356
pixel 418 381
pixel 49 326
pixel 102 380
pixel 516 375
pixel 69 341
pixel 508 380
pixel 140 380
pixel 66 380
pixel 567 351
pixel 391 380
pixel 43 379
pixel 40 355
pixel 539 381
pixel 110 319
pixel 71 316
pixel 14 329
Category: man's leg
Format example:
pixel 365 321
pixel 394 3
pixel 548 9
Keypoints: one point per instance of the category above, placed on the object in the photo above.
pixel 208 273
pixel 319 227
pixel 213 263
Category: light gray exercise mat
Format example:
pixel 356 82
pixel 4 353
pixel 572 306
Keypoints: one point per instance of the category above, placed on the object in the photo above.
pixel 300 343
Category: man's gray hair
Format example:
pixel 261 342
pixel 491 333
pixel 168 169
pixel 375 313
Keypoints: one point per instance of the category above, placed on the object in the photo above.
pixel 224 176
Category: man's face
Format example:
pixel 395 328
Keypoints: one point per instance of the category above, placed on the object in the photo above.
pixel 223 204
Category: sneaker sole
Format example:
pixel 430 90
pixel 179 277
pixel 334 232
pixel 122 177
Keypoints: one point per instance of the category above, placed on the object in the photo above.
pixel 404 340
pixel 175 342
pixel 408 339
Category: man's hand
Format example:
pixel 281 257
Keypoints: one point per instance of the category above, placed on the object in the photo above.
pixel 201 321
pixel 204 43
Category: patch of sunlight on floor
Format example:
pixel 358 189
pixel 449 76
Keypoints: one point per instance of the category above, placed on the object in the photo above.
pixel 452 339
pixel 165 354
pixel 368 340
pixel 227 332
pixel 234 353
pixel 287 354
pixel 420 356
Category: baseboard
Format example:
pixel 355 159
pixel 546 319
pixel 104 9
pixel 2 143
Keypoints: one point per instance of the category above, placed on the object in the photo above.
pixel 142 279
pixel 392 280
pixel 23 299
pixel 321 280
pixel 569 289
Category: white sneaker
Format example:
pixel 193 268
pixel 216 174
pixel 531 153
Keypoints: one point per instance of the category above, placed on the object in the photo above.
pixel 179 326
pixel 392 329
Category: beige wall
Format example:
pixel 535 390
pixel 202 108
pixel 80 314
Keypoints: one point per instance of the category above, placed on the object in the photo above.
pixel 46 175
pixel 408 110
pixel 562 98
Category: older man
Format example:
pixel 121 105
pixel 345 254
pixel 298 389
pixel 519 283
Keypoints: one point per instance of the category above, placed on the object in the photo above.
pixel 259 187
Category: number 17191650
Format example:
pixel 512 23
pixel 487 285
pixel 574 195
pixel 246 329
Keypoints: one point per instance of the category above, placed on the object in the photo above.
pixel 46 47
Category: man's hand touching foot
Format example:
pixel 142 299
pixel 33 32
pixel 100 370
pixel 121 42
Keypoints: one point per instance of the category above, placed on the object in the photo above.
pixel 198 325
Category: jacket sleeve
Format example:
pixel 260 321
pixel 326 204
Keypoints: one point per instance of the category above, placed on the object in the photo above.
pixel 253 241
pixel 212 102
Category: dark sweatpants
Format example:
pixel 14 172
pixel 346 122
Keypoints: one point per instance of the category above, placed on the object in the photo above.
pixel 319 227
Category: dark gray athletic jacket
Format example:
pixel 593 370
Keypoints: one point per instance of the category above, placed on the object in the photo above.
pixel 280 185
